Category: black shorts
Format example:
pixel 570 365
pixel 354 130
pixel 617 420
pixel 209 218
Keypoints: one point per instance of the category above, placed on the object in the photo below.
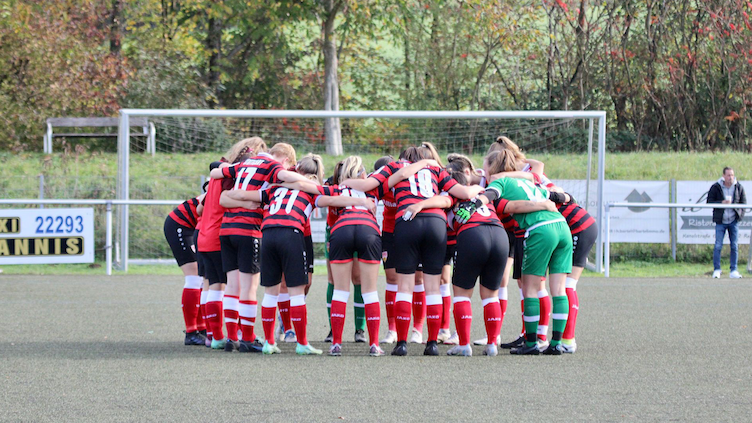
pixel 420 241
pixel 582 243
pixel 240 252
pixel 180 239
pixel 213 270
pixel 283 252
pixel 387 250
pixel 350 239
pixel 199 260
pixel 518 254
pixel 449 255
pixel 481 251
pixel 309 252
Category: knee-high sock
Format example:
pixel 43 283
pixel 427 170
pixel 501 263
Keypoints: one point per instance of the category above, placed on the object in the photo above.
pixel 559 317
pixel 215 314
pixel 339 309
pixel 492 316
pixel 389 299
pixel 402 307
pixel 247 311
pixel 531 317
pixel 283 303
pixel 446 306
pixel 230 304
pixel 373 316
pixel 419 307
pixel 269 316
pixel 574 308
pixel 299 317
pixel 463 318
pixel 359 308
pixel 207 327
pixel 434 308
pixel 545 314
pixel 191 302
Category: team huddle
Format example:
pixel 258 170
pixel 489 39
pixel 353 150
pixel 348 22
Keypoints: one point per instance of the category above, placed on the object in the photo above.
pixel 507 220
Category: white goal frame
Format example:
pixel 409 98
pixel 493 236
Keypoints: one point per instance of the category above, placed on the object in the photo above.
pixel 123 188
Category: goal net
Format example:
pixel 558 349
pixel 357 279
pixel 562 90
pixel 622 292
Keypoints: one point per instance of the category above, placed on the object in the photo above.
pixel 176 165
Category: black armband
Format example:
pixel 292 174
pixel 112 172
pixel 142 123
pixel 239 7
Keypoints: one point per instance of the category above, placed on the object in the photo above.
pixel 557 197
pixel 491 194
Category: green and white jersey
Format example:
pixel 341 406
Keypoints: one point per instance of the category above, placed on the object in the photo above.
pixel 521 189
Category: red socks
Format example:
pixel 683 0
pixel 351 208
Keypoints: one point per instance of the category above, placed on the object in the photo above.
pixel 268 316
pixel 231 304
pixel 434 308
pixel 446 309
pixel 339 310
pixel 299 317
pixel 402 307
pixel 191 302
pixel 215 314
pixel 419 307
pixel 247 312
pixel 545 314
pixel 574 307
pixel 283 303
pixel 373 316
pixel 493 317
pixel 463 318
pixel 389 299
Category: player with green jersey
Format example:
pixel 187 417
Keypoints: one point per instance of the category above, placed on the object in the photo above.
pixel 548 246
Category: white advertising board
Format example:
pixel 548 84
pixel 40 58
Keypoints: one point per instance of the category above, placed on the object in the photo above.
pixel 695 226
pixel 46 236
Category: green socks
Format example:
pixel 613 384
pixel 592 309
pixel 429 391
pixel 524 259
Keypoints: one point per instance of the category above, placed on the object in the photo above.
pixel 531 316
pixel 359 309
pixel 559 316
pixel 329 294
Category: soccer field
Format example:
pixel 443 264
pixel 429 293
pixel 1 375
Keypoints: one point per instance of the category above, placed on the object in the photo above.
pixel 85 348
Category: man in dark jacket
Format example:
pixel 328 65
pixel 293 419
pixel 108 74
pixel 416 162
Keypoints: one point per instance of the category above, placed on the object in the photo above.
pixel 727 191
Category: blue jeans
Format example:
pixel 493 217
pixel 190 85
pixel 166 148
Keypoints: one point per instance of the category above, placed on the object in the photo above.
pixel 720 232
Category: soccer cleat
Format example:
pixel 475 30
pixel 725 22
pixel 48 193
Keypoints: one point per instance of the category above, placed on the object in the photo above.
pixel 375 351
pixel 218 344
pixel 250 347
pixel 416 337
pixel 461 350
pixel 335 350
pixel 716 274
pixel 453 340
pixel 329 337
pixel 194 338
pixel 542 345
pixel 735 275
pixel 390 338
pixel 208 342
pixel 360 335
pixel 517 343
pixel 270 348
pixel 484 341
pixel 491 350
pixel 307 350
pixel 432 348
pixel 400 349
pixel 567 349
pixel 231 345
pixel 290 337
pixel 552 350
pixel 525 350
pixel 444 334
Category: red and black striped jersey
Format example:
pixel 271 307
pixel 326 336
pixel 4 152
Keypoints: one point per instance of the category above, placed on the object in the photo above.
pixel 250 175
pixel 506 219
pixel 578 218
pixel 352 215
pixel 483 216
pixel 208 237
pixel 287 208
pixel 307 227
pixel 390 209
pixel 426 183
pixel 185 214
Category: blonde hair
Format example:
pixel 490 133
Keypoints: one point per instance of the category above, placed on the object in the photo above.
pixel 504 143
pixel 312 166
pixel 352 167
pixel 501 161
pixel 459 162
pixel 284 150
pixel 245 148
pixel 434 154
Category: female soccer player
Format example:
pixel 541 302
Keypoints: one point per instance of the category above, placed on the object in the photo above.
pixel 179 228
pixel 283 252
pixel 418 240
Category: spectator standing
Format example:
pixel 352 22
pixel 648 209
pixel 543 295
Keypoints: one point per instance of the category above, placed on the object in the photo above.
pixel 727 191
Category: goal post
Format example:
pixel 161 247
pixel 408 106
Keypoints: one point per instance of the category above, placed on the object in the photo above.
pixel 124 142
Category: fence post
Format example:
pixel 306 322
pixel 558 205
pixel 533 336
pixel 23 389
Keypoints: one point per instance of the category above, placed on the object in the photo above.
pixel 41 189
pixel 108 239
pixel 672 218
pixel 607 245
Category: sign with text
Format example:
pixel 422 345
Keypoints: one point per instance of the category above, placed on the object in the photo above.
pixel 694 225
pixel 46 236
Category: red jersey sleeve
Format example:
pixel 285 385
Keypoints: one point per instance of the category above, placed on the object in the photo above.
pixel 382 175
pixel 330 190
pixel 230 171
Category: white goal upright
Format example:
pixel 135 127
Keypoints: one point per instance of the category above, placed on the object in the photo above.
pixel 188 133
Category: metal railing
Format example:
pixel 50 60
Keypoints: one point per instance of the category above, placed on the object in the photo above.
pixel 607 218
pixel 107 203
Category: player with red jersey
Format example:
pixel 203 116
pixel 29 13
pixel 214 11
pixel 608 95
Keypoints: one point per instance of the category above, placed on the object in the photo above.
pixel 179 228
